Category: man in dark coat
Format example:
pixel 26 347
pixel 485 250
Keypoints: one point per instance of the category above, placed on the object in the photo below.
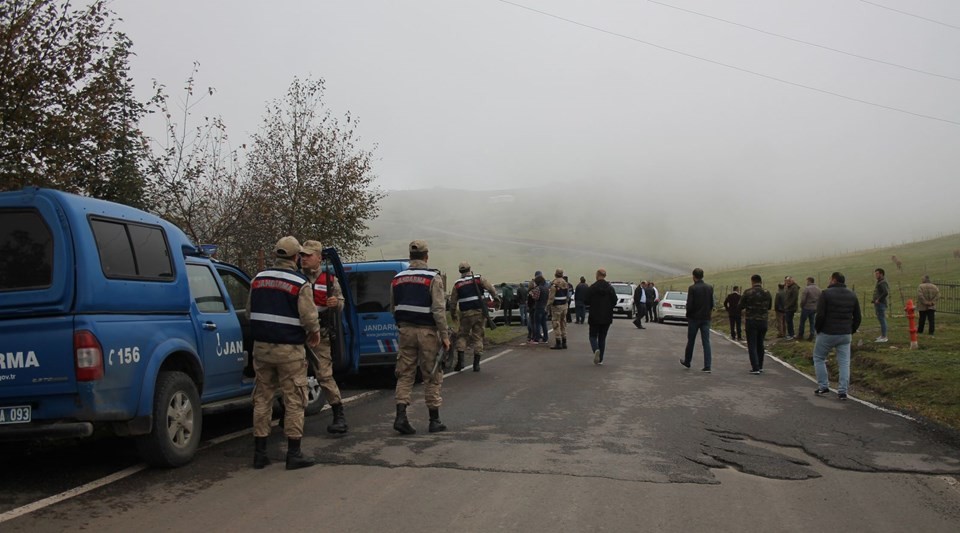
pixel 601 298
pixel 838 318
pixel 699 310
pixel 579 299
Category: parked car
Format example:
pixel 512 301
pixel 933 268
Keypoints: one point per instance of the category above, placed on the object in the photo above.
pixel 624 298
pixel 672 306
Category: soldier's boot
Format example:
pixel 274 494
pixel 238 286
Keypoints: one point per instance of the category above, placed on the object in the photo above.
pixel 557 346
pixel 339 424
pixel 435 423
pixel 476 361
pixel 459 365
pixel 260 458
pixel 295 458
pixel 401 423
pixel 564 343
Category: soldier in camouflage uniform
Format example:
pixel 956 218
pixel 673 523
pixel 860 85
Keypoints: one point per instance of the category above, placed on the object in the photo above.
pixel 327 296
pixel 755 303
pixel 418 306
pixel 282 318
pixel 467 301
pixel 557 299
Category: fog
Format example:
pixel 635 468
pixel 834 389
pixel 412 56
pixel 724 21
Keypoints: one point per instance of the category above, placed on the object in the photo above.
pixel 720 133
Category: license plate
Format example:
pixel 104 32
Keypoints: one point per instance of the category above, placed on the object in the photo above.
pixel 16 414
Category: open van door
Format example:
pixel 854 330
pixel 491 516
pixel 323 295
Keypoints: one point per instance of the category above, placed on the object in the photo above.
pixel 344 349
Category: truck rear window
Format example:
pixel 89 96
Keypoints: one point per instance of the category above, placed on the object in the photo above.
pixel 371 290
pixel 132 250
pixel 26 251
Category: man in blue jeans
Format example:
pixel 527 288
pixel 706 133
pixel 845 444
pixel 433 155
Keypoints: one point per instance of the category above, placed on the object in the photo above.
pixel 838 318
pixel 699 308
pixel 880 294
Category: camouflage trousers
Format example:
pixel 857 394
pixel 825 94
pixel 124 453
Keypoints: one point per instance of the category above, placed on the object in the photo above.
pixel 558 313
pixel 323 366
pixel 291 379
pixel 471 332
pixel 418 344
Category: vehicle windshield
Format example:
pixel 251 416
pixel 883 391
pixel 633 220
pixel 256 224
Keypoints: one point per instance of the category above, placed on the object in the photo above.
pixel 622 289
pixel 676 295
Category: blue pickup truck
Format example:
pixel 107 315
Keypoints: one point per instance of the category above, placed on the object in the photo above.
pixel 110 316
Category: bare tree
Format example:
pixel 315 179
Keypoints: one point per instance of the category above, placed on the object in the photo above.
pixel 195 176
pixel 307 176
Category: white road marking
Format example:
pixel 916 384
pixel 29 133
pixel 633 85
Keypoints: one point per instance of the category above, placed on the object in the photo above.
pixel 814 380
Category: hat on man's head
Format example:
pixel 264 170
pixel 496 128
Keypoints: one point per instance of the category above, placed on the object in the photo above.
pixel 288 247
pixel 464 266
pixel 312 247
pixel 418 246
pixel 558 273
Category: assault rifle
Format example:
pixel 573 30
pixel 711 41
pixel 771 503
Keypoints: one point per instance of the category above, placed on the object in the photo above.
pixel 491 325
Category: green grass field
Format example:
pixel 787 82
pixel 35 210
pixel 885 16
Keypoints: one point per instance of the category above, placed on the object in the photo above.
pixel 924 382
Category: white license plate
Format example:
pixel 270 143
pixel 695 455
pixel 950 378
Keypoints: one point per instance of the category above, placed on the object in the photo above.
pixel 16 414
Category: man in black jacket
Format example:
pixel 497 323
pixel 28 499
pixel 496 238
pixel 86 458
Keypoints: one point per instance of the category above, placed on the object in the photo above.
pixel 699 309
pixel 838 318
pixel 600 298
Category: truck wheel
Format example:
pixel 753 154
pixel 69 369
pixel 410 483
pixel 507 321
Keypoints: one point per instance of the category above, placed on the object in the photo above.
pixel 177 422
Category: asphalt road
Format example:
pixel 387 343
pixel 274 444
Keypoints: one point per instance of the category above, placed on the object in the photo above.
pixel 543 440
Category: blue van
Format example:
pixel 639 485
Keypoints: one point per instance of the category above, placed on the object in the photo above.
pixel 367 326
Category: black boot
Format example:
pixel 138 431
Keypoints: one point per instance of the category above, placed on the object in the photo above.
pixel 260 458
pixel 563 343
pixel 557 346
pixel 459 366
pixel 435 423
pixel 476 361
pixel 401 423
pixel 295 458
pixel 339 424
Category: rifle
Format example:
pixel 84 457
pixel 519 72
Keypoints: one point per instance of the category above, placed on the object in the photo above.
pixel 440 357
pixel 491 325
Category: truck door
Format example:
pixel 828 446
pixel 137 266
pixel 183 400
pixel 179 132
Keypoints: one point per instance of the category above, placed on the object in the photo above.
pixel 344 350
pixel 378 341
pixel 218 332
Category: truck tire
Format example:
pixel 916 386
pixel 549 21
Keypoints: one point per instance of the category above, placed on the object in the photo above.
pixel 177 422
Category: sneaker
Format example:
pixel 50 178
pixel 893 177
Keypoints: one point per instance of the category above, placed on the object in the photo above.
pixel 821 392
pixel 761 371
pixel 755 372
pixel 705 370
pixel 596 357
pixel 788 338
pixel 684 365
pixel 881 339
pixel 841 396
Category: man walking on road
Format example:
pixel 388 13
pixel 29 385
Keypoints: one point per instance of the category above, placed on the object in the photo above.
pixel 640 300
pixel 880 294
pixel 755 304
pixel 419 308
pixel 699 308
pixel 732 305
pixel 601 298
pixel 580 297
pixel 838 318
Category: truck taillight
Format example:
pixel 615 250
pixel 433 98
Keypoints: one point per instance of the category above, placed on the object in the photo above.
pixel 88 356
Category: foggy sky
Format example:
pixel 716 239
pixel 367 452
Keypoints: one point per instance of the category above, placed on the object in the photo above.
pixel 481 94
